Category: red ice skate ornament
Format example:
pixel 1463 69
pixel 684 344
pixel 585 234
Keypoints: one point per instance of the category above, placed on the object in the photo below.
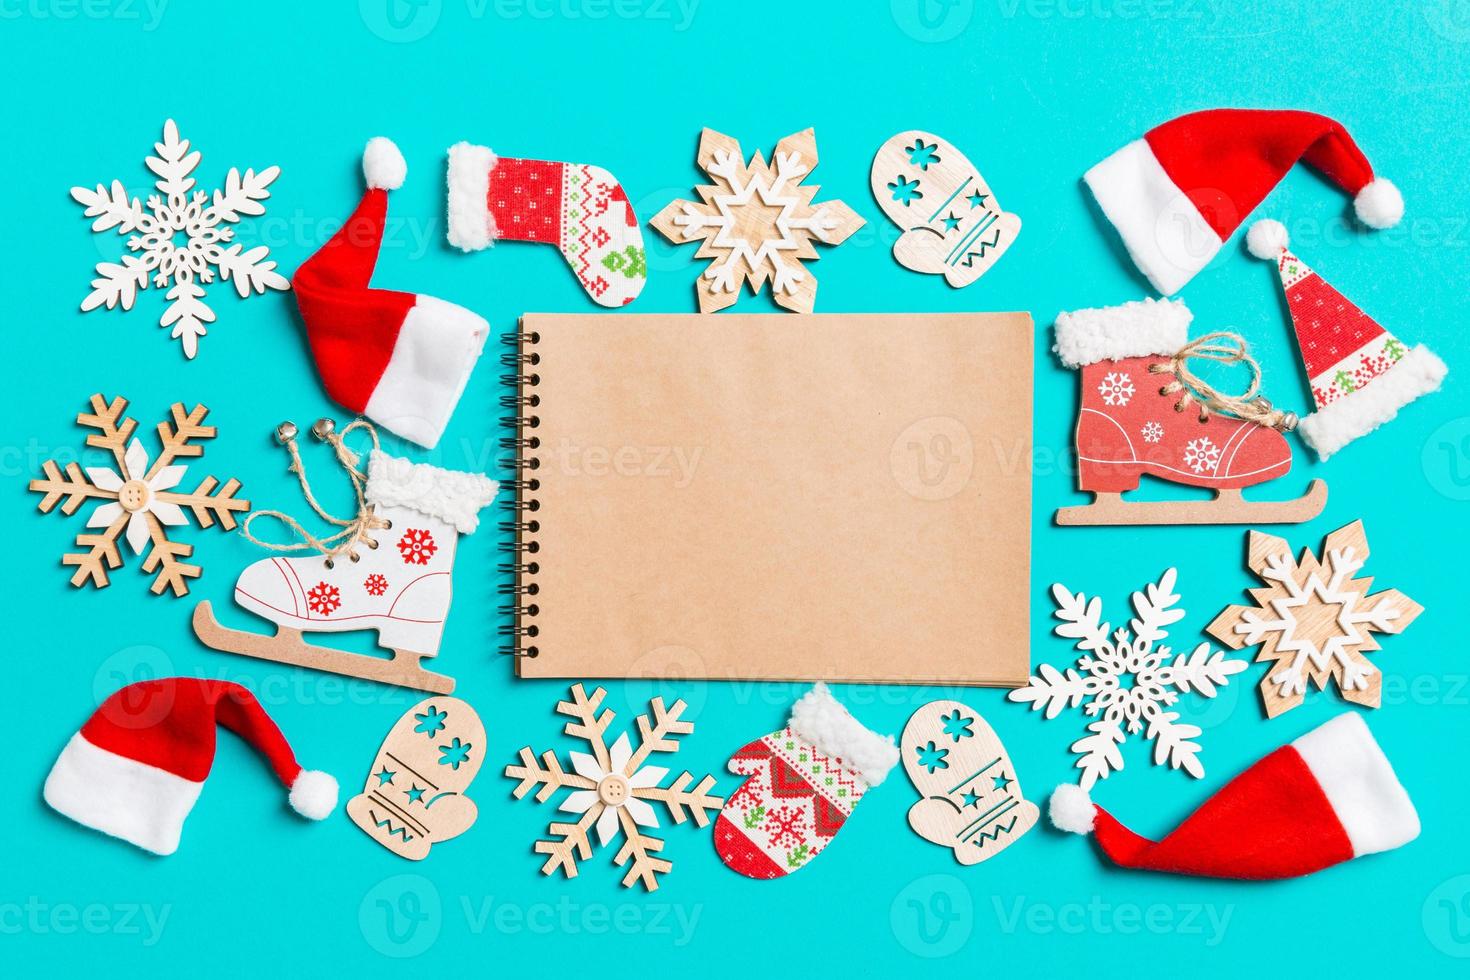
pixel 1142 413
pixel 1328 797
pixel 1361 374
pixel 388 569
pixel 1178 193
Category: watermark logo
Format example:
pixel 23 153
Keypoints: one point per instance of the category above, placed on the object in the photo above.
pixel 401 916
pixel 1446 917
pixel 1446 459
pixel 1450 19
pixel 933 916
pixel 1099 917
pixel 932 21
pixel 400 21
pixel 933 458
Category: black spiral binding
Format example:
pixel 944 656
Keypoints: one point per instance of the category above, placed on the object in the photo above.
pixel 519 503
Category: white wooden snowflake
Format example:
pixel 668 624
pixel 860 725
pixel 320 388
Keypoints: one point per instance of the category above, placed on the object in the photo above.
pixel 757 222
pixel 1315 619
pixel 180 239
pixel 1128 681
pixel 611 788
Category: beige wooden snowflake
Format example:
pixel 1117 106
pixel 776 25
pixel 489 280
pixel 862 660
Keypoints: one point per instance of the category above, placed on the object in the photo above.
pixel 1314 620
pixel 611 788
pixel 139 498
pixel 757 222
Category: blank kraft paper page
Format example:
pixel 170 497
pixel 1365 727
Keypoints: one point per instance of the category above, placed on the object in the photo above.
pixel 839 497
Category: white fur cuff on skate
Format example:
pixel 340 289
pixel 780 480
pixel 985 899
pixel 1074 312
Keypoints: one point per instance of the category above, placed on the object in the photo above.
pixel 1358 413
pixel 821 720
pixel 471 226
pixel 1111 333
pixel 449 495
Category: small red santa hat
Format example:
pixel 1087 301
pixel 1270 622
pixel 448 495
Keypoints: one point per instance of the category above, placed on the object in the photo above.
pixel 1361 374
pixel 1176 195
pixel 1327 797
pixel 401 359
pixel 136 768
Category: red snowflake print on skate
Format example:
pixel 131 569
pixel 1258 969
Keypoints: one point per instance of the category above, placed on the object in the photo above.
pixel 324 599
pixel 417 546
pixel 375 585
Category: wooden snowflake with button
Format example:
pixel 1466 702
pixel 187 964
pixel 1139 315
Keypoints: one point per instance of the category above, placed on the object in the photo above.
pixel 612 789
pixel 140 497
pixel 1314 619
pixel 757 222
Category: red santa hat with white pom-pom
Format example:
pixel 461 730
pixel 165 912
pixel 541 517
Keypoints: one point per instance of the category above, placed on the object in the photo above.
pixel 1179 193
pixel 1361 374
pixel 137 767
pixel 1327 797
pixel 401 359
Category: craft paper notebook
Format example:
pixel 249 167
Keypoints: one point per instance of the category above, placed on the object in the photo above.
pixel 833 497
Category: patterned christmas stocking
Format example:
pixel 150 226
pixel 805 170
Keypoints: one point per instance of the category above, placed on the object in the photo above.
pixel 804 782
pixel 580 209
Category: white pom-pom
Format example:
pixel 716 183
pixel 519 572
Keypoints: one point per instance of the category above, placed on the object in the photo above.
pixel 1071 809
pixel 383 165
pixel 1266 239
pixel 314 794
pixel 1379 204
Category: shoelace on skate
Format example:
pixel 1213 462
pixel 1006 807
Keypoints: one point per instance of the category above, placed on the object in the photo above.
pixel 1222 347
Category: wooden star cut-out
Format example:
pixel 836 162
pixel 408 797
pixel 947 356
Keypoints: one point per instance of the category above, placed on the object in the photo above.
pixel 757 222
pixel 1314 619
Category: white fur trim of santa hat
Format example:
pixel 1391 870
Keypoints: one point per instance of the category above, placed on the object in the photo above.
pixel 471 225
pixel 450 495
pixel 383 166
pixel 1379 204
pixel 1111 333
pixel 819 719
pixel 1357 779
pixel 1358 413
pixel 313 794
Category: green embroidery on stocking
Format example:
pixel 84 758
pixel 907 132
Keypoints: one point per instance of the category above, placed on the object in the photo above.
pixel 630 262
pixel 795 858
pixel 753 818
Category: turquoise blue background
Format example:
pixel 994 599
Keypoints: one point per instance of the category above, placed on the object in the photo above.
pixel 1035 92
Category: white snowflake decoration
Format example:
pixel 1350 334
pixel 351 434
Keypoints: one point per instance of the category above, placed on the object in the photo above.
pixel 181 239
pixel 1201 454
pixel 1156 682
pixel 1116 388
pixel 1152 432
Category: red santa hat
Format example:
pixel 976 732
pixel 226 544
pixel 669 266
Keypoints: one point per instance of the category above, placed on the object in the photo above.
pixel 1361 374
pixel 1326 798
pixel 137 766
pixel 401 359
pixel 1176 195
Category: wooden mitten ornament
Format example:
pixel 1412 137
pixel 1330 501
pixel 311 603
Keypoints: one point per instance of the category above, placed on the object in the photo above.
pixel 972 800
pixel 415 797
pixel 952 224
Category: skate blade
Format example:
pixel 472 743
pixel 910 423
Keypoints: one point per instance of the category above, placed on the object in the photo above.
pixel 287 647
pixel 1228 507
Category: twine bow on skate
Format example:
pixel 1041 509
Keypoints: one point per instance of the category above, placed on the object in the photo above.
pixel 1225 348
pixel 353 533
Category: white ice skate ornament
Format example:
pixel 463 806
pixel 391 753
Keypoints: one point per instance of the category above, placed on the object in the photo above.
pixel 611 788
pixel 757 221
pixel 415 797
pixel 140 497
pixel 388 570
pixel 182 239
pixel 1153 681
pixel 971 797
pixel 1314 620
pixel 952 223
